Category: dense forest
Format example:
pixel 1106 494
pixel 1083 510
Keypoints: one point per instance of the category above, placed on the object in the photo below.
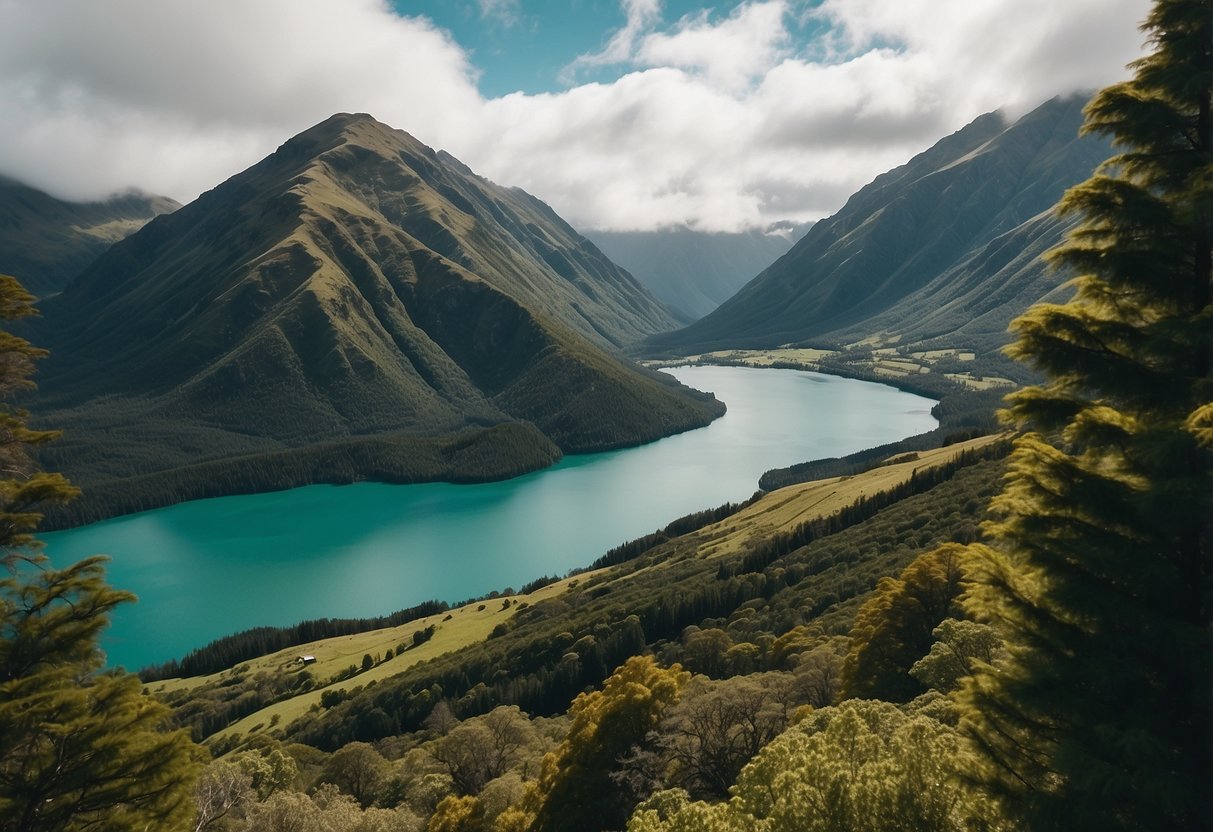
pixel 1017 637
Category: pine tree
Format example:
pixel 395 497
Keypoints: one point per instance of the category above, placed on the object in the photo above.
pixel 79 748
pixel 575 791
pixel 22 488
pixel 1098 572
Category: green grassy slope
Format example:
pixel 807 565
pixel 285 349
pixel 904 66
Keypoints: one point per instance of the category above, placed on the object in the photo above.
pixel 353 285
pixel 803 555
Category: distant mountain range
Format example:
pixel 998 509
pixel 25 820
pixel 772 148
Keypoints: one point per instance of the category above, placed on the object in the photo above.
pixel 355 305
pixel 942 251
pixel 693 272
pixel 45 242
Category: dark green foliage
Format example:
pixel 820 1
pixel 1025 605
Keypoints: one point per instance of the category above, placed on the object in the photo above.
pixel 422 636
pixel 79 748
pixel 538 583
pixel 1100 571
pixel 575 791
pixel 718 726
pixel 133 483
pixel 763 554
pixel 683 525
pixel 25 492
pixel 894 627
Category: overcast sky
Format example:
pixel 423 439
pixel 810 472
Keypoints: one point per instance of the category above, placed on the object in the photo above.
pixel 624 115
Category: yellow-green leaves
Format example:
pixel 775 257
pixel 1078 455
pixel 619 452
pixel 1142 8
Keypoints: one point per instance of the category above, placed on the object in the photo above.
pixel 858 766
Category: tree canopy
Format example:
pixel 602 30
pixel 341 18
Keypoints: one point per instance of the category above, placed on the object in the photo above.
pixel 1098 569
pixel 80 748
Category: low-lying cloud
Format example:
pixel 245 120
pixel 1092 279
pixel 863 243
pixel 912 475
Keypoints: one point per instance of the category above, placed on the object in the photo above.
pixel 719 122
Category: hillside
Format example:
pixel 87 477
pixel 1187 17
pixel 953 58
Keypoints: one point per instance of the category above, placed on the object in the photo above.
pixel 811 551
pixel 45 242
pixel 942 251
pixel 693 272
pixel 354 305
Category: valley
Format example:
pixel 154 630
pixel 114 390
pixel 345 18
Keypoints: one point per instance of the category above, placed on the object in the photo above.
pixel 202 569
pixel 937 254
pixel 896 365
pixel 336 675
pixel 356 305
pixel 697 486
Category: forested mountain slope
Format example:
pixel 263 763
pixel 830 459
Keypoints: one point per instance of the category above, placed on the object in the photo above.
pixel 45 242
pixel 354 287
pixel 943 249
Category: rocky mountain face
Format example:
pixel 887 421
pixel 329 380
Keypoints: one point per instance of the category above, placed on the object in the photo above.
pixel 354 285
pixel 693 272
pixel 45 242
pixel 942 250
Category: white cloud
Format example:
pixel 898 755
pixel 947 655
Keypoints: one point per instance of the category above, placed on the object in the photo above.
pixel 731 53
pixel 174 97
pixel 720 122
pixel 1016 51
pixel 640 15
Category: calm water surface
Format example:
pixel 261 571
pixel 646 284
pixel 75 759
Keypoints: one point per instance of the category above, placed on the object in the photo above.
pixel 212 567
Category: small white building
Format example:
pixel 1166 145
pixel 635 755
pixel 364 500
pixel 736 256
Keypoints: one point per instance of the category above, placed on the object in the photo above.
pixel 306 659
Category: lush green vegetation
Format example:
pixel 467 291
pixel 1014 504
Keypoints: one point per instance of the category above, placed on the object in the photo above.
pixel 765 638
pixel 906 659
pixel 230 651
pixel 557 648
pixel 398 318
pixel 80 748
pixel 1099 571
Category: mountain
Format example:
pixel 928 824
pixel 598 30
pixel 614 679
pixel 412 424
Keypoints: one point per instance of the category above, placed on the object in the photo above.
pixel 693 272
pixel 45 242
pixel 356 304
pixel 942 250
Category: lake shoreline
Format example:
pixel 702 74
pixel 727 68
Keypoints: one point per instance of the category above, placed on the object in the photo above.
pixel 292 468
pixel 207 568
pixel 206 480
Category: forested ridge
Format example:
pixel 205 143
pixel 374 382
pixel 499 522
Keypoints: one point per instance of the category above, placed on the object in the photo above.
pixel 1014 638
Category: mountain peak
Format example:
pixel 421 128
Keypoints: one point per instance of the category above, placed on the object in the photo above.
pixel 356 294
pixel 924 251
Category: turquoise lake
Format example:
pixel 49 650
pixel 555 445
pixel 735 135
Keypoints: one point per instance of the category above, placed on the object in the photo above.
pixel 213 567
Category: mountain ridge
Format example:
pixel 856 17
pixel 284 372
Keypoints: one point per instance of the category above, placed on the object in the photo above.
pixel 914 239
pixel 353 284
pixel 46 241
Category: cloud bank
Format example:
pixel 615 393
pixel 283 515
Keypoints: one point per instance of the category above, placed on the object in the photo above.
pixel 717 121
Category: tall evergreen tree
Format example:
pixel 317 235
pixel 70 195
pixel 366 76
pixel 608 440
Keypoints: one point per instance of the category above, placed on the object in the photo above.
pixel 22 487
pixel 79 748
pixel 1099 567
